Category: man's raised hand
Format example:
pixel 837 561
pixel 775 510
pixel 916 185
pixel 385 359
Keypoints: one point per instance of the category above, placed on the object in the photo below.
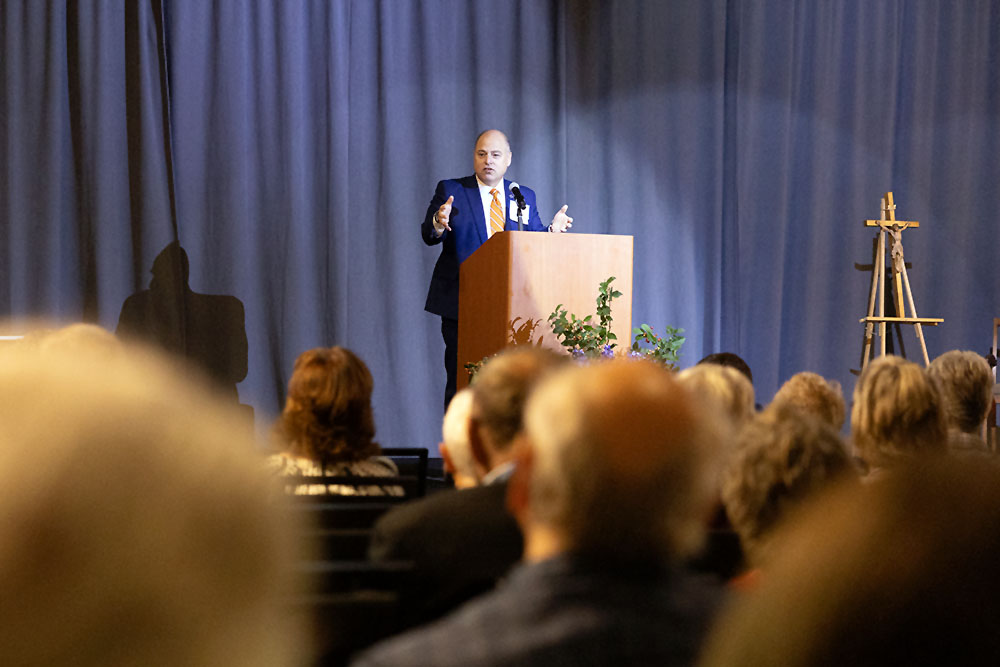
pixel 443 216
pixel 560 221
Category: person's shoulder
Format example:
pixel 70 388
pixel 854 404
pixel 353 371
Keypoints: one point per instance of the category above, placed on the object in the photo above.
pixel 415 513
pixel 463 182
pixel 435 643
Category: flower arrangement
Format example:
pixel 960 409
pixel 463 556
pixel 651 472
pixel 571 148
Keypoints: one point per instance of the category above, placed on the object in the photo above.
pixel 584 339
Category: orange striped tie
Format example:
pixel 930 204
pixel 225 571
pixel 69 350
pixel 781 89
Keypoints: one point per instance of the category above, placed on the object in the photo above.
pixel 496 214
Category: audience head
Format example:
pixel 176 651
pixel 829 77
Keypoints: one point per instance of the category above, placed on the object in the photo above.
pixel 965 381
pixel 730 360
pixel 455 448
pixel 135 526
pixel 784 456
pixel 896 413
pixel 728 389
pixel 617 461
pixel 815 395
pixel 499 392
pixel 902 572
pixel 328 413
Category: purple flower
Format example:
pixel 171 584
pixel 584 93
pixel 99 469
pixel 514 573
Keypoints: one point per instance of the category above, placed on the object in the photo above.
pixel 578 353
pixel 608 352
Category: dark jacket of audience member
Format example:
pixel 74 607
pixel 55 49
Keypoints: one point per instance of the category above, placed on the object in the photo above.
pixel 613 479
pixel 462 542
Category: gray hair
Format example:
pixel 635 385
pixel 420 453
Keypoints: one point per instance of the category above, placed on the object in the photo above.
pixel 966 384
pixel 784 455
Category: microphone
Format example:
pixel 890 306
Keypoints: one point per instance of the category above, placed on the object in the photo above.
pixel 515 190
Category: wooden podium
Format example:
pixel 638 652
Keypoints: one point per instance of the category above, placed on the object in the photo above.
pixel 510 285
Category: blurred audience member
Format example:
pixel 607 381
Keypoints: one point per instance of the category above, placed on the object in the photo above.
pixel 730 360
pixel 730 396
pixel 896 414
pixel 456 452
pixel 729 389
pixel 784 456
pixel 135 524
pixel 462 542
pixel 965 381
pixel 895 573
pixel 328 427
pixel 79 338
pixel 615 473
pixel 815 395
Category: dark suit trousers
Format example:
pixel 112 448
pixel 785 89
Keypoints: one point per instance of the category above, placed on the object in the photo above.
pixel 449 331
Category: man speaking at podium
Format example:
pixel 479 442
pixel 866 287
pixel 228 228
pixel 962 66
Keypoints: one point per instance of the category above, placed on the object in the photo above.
pixel 463 214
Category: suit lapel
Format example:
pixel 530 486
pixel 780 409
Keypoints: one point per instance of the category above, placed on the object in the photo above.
pixel 475 203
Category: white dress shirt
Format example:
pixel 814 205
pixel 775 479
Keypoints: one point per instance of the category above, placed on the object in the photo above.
pixel 484 194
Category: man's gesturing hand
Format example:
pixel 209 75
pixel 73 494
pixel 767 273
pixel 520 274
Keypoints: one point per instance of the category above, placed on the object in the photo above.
pixel 560 221
pixel 442 217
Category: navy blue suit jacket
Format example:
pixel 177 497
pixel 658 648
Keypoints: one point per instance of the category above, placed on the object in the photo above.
pixel 468 232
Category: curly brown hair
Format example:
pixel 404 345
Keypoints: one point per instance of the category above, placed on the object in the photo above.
pixel 328 413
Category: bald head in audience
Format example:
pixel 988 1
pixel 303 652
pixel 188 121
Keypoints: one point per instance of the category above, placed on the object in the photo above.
pixel 618 460
pixel 902 572
pixel 456 452
pixel 135 522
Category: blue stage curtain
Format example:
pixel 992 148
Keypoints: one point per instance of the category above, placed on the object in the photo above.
pixel 292 147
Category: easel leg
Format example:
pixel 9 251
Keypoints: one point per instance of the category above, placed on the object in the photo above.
pixel 913 313
pixel 869 325
pixel 881 289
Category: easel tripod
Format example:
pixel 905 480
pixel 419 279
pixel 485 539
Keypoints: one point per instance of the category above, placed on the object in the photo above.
pixel 894 228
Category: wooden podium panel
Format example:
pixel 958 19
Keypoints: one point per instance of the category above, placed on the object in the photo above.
pixel 510 285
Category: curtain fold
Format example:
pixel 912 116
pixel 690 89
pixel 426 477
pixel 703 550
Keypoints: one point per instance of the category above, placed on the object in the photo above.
pixel 291 149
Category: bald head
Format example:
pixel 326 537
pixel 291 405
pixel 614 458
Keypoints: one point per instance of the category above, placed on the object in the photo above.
pixel 491 156
pixel 622 461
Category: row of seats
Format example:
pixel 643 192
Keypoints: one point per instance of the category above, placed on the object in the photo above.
pixel 350 602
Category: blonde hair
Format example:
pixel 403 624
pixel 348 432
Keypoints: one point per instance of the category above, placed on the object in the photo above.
pixel 896 412
pixel 135 527
pixel 725 386
pixel 966 384
pixel 624 460
pixel 815 395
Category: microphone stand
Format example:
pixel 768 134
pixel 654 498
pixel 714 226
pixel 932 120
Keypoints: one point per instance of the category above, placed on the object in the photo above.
pixel 520 225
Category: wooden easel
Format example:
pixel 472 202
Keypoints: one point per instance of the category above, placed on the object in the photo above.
pixel 894 228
